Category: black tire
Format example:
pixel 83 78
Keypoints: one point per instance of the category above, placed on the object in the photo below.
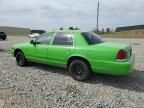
pixel 20 59
pixel 4 38
pixel 79 70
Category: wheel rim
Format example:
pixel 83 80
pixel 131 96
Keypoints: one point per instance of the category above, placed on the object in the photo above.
pixel 20 59
pixel 78 70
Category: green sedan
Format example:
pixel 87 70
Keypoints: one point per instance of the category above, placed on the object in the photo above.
pixel 82 53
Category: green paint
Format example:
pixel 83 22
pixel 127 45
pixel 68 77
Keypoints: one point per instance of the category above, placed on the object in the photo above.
pixel 101 57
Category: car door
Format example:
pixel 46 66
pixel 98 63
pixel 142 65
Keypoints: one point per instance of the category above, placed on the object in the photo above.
pixel 61 48
pixel 39 51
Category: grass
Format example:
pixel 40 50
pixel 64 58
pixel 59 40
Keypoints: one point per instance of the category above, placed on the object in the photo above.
pixel 125 34
pixel 15 31
pixel 18 35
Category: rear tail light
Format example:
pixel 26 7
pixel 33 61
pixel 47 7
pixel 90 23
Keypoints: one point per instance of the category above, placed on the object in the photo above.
pixel 122 55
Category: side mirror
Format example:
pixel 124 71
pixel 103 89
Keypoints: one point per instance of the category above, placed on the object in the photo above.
pixel 33 42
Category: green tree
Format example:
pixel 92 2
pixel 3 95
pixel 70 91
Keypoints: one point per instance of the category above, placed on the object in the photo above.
pixel 61 28
pixel 103 31
pixel 108 30
pixel 77 28
pixel 71 28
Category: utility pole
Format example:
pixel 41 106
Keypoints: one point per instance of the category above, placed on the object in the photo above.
pixel 97 29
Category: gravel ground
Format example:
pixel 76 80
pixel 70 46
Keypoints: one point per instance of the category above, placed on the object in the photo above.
pixel 41 86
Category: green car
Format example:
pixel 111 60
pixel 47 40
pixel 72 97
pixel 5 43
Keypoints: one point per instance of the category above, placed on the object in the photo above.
pixel 82 53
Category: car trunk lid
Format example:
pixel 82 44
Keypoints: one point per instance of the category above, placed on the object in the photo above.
pixel 116 47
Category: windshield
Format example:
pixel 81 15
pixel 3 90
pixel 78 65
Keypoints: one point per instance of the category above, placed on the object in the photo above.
pixel 92 38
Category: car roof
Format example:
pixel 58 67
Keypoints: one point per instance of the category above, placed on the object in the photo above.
pixel 68 31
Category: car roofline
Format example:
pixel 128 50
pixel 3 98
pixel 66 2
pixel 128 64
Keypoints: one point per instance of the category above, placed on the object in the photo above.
pixel 69 31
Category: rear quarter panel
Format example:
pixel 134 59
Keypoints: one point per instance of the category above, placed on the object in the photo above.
pixel 99 56
pixel 102 58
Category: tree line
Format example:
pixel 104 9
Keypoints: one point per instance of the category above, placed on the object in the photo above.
pixel 70 28
pixel 102 31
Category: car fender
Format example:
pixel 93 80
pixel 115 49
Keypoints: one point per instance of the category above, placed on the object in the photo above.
pixel 78 56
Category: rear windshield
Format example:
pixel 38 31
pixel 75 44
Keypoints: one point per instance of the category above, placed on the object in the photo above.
pixel 92 38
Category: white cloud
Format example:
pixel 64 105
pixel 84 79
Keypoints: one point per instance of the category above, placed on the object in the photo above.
pixel 53 14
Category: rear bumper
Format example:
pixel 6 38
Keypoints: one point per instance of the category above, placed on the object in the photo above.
pixel 114 68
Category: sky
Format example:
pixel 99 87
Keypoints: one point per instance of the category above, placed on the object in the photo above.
pixel 53 14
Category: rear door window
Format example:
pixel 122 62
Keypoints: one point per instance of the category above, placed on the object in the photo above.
pixel 63 39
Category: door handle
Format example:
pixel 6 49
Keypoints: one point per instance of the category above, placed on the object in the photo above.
pixel 67 50
pixel 44 48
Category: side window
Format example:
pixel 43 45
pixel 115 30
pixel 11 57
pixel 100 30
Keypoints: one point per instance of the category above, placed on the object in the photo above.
pixel 63 39
pixel 44 38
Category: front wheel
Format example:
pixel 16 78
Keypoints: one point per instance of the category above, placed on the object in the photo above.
pixel 4 38
pixel 20 59
pixel 79 70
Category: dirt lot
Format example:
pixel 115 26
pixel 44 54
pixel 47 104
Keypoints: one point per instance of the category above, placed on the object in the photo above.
pixel 41 86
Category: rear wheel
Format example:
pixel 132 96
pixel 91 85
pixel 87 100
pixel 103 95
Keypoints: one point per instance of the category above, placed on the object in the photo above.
pixel 20 59
pixel 4 37
pixel 79 70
